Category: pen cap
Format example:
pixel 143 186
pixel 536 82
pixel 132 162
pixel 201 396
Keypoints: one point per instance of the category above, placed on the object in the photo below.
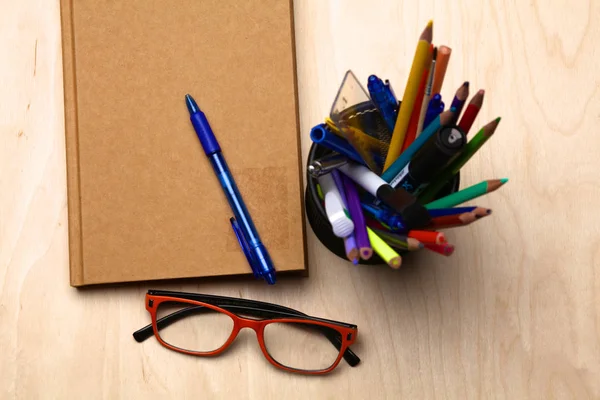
pixel 437 152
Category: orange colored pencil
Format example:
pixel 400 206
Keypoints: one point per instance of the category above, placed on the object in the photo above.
pixel 441 65
pixel 428 237
pixel 452 221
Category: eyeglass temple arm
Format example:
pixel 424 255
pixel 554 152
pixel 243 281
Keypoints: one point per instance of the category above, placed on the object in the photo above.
pixel 146 332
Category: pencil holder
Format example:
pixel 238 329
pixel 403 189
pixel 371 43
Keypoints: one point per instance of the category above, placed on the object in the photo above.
pixel 317 218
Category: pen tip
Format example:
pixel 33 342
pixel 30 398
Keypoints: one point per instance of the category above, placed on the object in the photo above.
pixel 191 104
pixel 270 278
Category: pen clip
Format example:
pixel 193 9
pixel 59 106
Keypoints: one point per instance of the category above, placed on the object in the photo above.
pixel 243 244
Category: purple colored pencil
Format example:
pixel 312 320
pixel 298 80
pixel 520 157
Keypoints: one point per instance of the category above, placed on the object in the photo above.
pixel 349 241
pixel 360 225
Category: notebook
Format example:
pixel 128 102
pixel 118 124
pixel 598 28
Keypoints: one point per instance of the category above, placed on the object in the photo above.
pixel 144 203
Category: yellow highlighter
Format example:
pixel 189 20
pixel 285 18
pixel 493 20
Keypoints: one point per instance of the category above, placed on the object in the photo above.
pixel 410 94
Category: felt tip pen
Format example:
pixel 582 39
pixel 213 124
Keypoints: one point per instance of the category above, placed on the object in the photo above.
pixel 259 258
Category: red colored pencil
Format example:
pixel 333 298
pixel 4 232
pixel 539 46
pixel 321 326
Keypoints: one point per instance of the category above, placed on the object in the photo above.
pixel 451 221
pixel 443 249
pixel 471 112
pixel 428 237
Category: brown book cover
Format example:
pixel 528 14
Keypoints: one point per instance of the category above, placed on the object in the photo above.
pixel 144 202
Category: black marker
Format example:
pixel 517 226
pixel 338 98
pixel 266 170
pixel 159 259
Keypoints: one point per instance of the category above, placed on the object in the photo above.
pixel 443 147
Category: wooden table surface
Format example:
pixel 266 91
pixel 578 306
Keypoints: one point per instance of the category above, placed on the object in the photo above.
pixel 514 313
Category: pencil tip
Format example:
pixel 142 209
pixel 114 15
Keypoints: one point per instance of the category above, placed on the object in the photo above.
pixel 498 119
pixel 504 180
pixel 430 24
pixel 481 92
pixel 466 84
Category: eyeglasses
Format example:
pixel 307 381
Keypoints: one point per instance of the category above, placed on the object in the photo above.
pixel 205 325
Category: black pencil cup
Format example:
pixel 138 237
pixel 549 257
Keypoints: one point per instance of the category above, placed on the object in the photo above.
pixel 317 218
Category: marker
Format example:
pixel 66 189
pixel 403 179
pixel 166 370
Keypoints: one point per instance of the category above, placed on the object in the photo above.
pixel 431 159
pixel 413 214
pixel 263 266
pixel 341 225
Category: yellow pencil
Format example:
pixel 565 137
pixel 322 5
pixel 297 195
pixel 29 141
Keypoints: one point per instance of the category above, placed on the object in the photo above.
pixel 410 95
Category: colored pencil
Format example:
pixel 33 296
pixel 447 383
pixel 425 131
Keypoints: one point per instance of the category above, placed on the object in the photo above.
pixel 410 94
pixel 470 149
pixel 413 124
pixel 459 100
pixel 442 212
pixel 399 164
pixel 467 194
pixel 481 212
pixel 443 57
pixel 471 112
pixel 400 242
pixel 360 227
pixel 428 237
pixel 427 96
pixel 383 250
pixel 443 249
pixel 351 249
pixel 452 221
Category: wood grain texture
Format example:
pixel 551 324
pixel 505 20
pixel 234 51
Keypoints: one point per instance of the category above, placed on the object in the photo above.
pixel 514 313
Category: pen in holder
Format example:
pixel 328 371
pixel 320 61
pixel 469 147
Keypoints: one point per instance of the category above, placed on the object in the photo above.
pixel 383 175
pixel 317 217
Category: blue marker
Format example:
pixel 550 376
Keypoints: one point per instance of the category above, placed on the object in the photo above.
pixel 384 99
pixel 259 259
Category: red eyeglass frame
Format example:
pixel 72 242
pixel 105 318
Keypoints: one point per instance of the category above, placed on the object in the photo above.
pixel 154 298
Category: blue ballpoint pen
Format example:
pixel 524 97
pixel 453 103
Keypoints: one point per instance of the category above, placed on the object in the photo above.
pixel 394 221
pixel 244 245
pixel 384 100
pixel 259 258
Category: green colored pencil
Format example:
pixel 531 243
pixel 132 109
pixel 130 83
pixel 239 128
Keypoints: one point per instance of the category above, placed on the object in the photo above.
pixel 467 194
pixel 470 149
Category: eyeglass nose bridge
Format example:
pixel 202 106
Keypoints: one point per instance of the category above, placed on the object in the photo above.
pixel 255 325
